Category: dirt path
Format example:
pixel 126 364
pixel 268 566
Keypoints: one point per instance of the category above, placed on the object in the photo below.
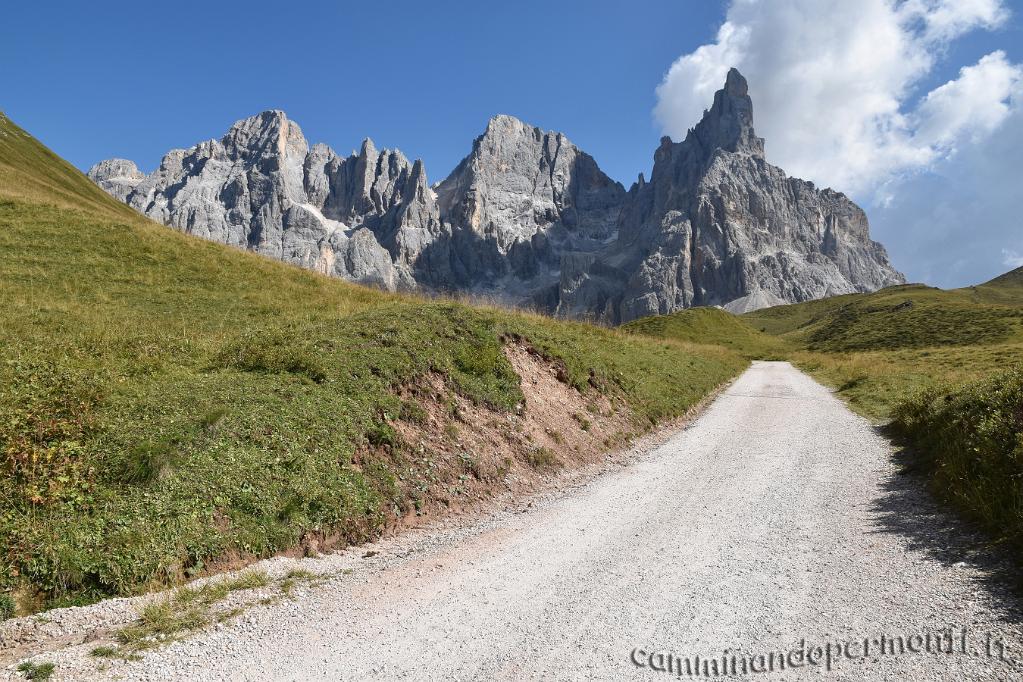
pixel 776 518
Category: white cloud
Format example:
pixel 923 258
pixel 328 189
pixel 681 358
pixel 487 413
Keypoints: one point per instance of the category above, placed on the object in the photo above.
pixel 958 222
pixel 974 104
pixel 944 20
pixel 833 83
pixel 1011 259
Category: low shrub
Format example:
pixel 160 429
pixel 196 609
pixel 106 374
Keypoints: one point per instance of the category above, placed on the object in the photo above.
pixel 970 440
pixel 7 606
pixel 274 351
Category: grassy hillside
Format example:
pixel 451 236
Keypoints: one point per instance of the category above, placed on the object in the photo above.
pixel 1005 289
pixel 169 404
pixel 711 326
pixel 879 349
pixel 31 172
pixel 909 316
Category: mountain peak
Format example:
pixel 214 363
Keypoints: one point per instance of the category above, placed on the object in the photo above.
pixel 499 120
pixel 368 149
pixel 728 124
pixel 267 133
pixel 110 169
pixel 118 177
pixel 505 125
pixel 735 83
pixel 526 215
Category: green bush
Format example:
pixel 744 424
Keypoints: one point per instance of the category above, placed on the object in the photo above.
pixel 7 606
pixel 970 440
pixel 273 351
pixel 381 434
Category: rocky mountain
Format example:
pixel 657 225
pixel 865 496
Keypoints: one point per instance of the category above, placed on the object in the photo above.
pixel 718 225
pixel 526 217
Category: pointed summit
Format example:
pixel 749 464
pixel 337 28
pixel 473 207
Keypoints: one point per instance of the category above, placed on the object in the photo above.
pixel 504 123
pixel 735 83
pixel 729 123
pixel 368 149
pixel 269 133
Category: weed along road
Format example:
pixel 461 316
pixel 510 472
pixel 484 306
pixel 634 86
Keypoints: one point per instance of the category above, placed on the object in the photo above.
pixel 775 535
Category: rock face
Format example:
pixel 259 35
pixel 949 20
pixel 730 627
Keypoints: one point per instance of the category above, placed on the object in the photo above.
pixel 261 187
pixel 527 217
pixel 518 202
pixel 117 177
pixel 718 225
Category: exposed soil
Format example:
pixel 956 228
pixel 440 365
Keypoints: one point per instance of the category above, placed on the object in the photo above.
pixel 471 452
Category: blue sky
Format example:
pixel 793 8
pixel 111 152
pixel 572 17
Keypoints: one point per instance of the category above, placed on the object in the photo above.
pixel 134 80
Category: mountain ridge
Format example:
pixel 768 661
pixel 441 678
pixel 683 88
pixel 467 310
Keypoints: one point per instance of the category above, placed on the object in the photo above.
pixel 526 217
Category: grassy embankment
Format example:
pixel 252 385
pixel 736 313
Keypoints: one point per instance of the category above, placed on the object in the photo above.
pixel 941 366
pixel 168 403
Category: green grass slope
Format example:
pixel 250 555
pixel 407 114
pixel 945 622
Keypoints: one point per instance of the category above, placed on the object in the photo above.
pixel 710 326
pixel 908 316
pixel 168 403
pixel 881 348
pixel 969 439
pixel 1005 289
pixel 31 172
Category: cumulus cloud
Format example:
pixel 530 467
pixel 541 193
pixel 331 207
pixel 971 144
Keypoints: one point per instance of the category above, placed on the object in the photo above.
pixel 973 105
pixel 1011 259
pixel 945 20
pixel 958 222
pixel 834 85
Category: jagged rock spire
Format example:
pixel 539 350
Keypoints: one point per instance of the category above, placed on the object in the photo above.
pixel 728 124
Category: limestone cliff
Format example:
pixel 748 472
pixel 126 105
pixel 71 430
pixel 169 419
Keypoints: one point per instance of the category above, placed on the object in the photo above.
pixel 526 217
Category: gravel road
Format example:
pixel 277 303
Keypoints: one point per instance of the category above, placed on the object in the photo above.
pixel 776 520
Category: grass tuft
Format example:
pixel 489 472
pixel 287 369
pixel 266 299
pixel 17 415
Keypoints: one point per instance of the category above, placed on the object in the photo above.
pixel 541 458
pixel 294 577
pixel 36 671
pixel 185 610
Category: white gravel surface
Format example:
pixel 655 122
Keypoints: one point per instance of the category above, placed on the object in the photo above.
pixel 777 517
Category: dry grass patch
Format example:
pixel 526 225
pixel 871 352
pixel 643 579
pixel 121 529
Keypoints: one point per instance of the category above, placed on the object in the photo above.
pixel 185 610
